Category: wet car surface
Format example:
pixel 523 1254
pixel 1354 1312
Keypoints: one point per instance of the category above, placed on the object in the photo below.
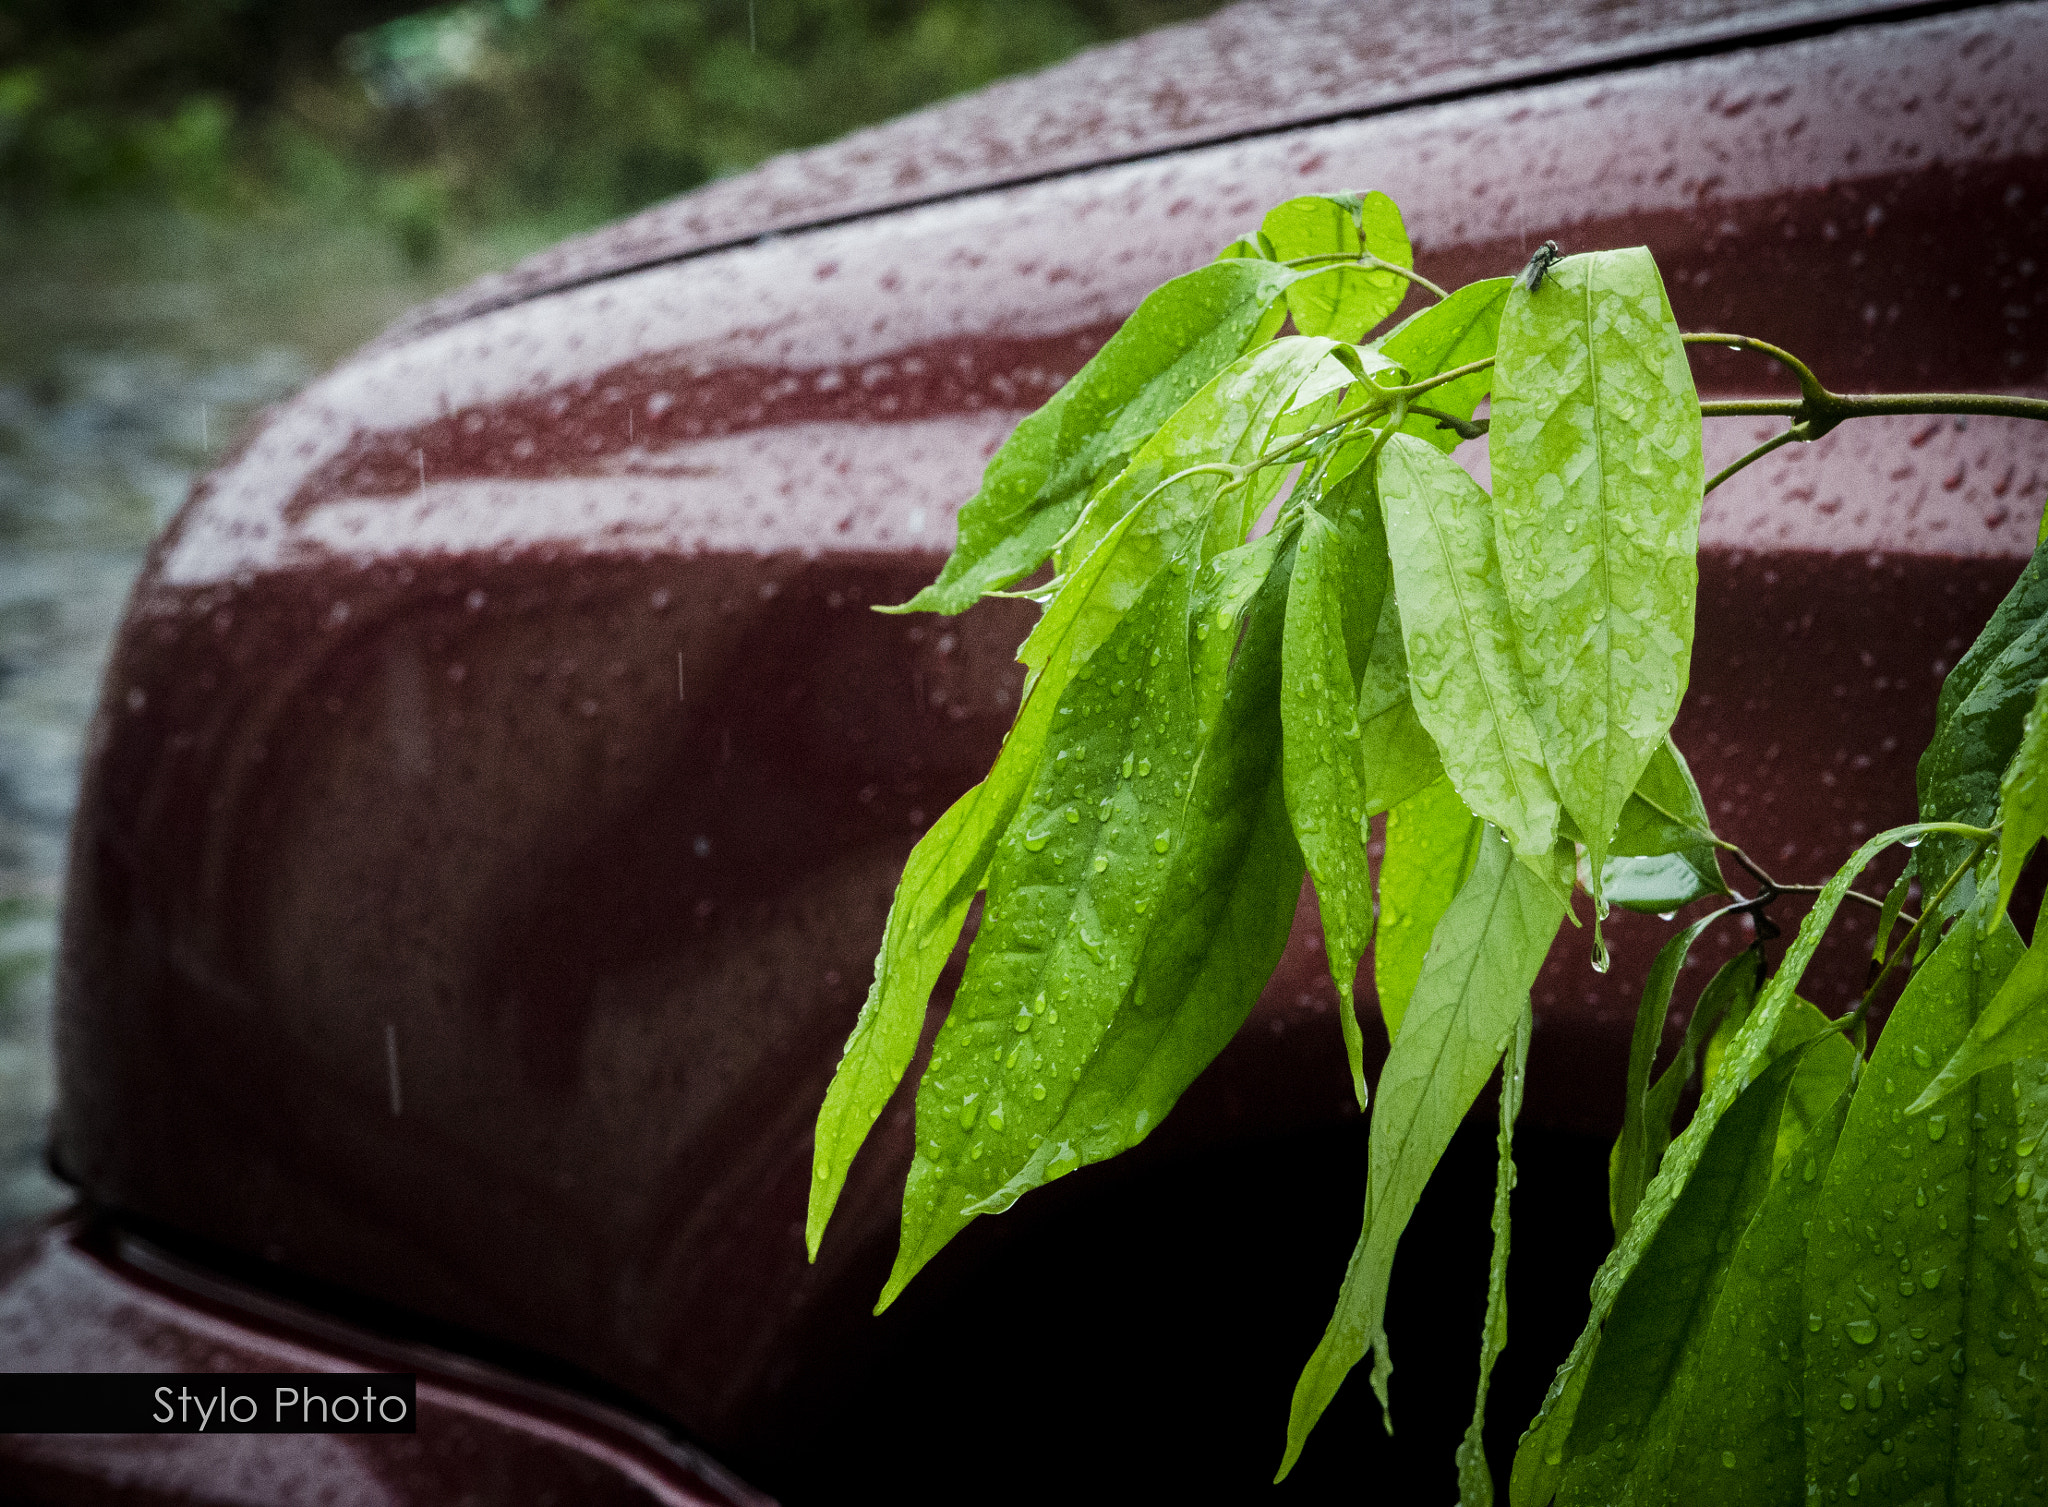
pixel 500 779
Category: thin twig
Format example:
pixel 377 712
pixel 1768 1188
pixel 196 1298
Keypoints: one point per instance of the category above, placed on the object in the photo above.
pixel 1776 440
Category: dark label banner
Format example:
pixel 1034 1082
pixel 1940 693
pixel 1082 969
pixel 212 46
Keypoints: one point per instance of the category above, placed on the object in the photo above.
pixel 206 1402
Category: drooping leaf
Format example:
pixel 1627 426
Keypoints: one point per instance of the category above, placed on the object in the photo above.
pixel 1340 300
pixel 1730 995
pixel 1620 1442
pixel 1453 333
pixel 1979 719
pixel 1916 1272
pixel 1738 1423
pixel 2023 798
pixel 2013 1025
pixel 1474 987
pixel 1333 612
pixel 1468 685
pixel 1631 1166
pixel 1432 846
pixel 1475 1480
pixel 1663 855
pixel 1395 752
pixel 1597 474
pixel 1230 421
pixel 1183 334
pixel 1537 1471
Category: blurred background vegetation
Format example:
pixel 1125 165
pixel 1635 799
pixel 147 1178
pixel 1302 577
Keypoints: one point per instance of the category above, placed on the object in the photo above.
pixel 205 202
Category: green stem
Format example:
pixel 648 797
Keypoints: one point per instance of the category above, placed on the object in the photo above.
pixel 1366 259
pixel 1755 455
pixel 1931 909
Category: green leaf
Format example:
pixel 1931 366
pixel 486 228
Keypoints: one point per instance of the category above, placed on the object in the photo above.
pixel 1231 420
pixel 1738 1423
pixel 1537 1459
pixel 1597 475
pixel 1341 301
pixel 1468 685
pixel 1730 995
pixel 1620 1442
pixel 1980 718
pixel 1333 612
pixel 1663 855
pixel 2012 1026
pixel 1136 905
pixel 1475 1481
pixel 2023 798
pixel 1473 990
pixel 1182 335
pixel 939 882
pixel 1929 1327
pixel 1432 846
pixel 1395 751
pixel 1631 1166
pixel 1455 332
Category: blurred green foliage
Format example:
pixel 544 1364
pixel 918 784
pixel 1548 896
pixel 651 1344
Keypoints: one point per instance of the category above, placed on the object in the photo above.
pixel 485 113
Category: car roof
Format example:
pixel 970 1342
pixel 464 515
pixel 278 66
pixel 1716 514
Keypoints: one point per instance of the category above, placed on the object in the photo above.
pixel 1256 67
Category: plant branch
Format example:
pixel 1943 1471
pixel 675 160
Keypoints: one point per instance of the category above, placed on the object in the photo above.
pixel 1776 440
pixel 1367 260
pixel 1906 943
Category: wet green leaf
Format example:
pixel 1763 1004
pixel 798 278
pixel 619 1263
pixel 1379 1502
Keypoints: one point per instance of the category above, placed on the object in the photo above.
pixel 1432 846
pixel 1597 475
pixel 1457 331
pixel 2013 1025
pixel 1473 990
pixel 1730 995
pixel 2023 798
pixel 1979 719
pixel 1631 1165
pixel 1663 856
pixel 1395 751
pixel 1475 1480
pixel 1537 1470
pixel 1136 906
pixel 1737 1437
pixel 1467 682
pixel 1924 1379
pixel 1182 335
pixel 1620 1443
pixel 1340 301
pixel 1333 612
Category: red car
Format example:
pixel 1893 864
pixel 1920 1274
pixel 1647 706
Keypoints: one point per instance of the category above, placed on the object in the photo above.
pixel 500 778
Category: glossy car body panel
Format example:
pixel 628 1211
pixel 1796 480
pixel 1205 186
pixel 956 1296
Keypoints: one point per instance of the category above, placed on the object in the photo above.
pixel 500 780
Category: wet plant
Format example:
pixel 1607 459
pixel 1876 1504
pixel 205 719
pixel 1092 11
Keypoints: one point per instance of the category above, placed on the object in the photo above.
pixel 1278 609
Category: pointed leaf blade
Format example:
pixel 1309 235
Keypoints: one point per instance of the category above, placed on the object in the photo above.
pixel 1432 845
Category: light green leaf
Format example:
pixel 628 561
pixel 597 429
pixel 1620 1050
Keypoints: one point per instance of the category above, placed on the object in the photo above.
pixel 1631 1166
pixel 1468 685
pixel 1663 855
pixel 1537 1470
pixel 1432 846
pixel 1395 751
pixel 1740 1400
pixel 1597 475
pixel 2023 798
pixel 1979 720
pixel 1183 334
pixel 1341 301
pixel 2013 1025
pixel 1475 1480
pixel 1620 1442
pixel 1457 331
pixel 1333 611
pixel 1473 990
pixel 1928 1325
pixel 1231 420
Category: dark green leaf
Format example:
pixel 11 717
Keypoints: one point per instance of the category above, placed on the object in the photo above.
pixel 1183 334
pixel 1597 474
pixel 1632 1166
pixel 1475 1480
pixel 1979 719
pixel 1537 1469
pixel 1730 995
pixel 1432 846
pixel 1333 611
pixel 2023 798
pixel 1926 1346
pixel 2013 1025
pixel 1474 988
pixel 1339 300
pixel 1619 1447
pixel 1468 684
